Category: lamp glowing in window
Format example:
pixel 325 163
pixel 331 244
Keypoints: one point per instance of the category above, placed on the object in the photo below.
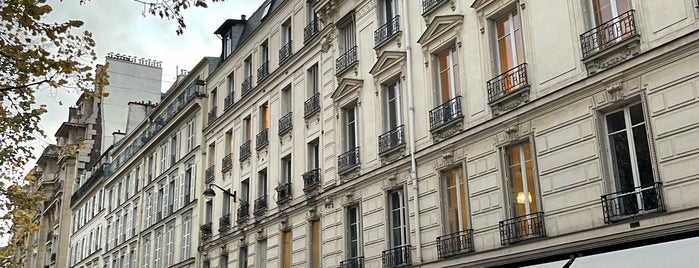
pixel 520 197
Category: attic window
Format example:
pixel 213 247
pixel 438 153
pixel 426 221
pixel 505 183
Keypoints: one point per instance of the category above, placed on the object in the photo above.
pixel 267 9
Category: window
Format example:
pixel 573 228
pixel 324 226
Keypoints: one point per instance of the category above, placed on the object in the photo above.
pixel 313 80
pixel 630 162
pixel 163 157
pixel 226 207
pixel 186 190
pixel 353 238
pixel 186 236
pixel 388 11
pixel 350 127
pixel 247 68
pixel 263 71
pixel 510 51
pixel 157 261
pixel 286 170
pixel 286 100
pixel 137 181
pixel 286 32
pixel 247 129
pixel 174 149
pixel 313 155
pixel 160 202
pixel 111 199
pixel 231 85
pixel 523 197
pixel 134 222
pixel 456 201
pixel 286 249
pixel 209 211
pixel 132 255
pixel 448 65
pixel 146 251
pixel 118 197
pixel 170 244
pixel 243 257
pixel 261 254
pixel 118 229
pixel 149 207
pixel 347 39
pixel 315 244
pixel 397 219
pixel 127 186
pixel 191 133
pixel 606 10
pixel 245 191
pixel 312 104
pixel 212 155
pixel 262 183
pixel 228 45
pixel 223 260
pixel 171 193
pixel 214 102
pixel 151 167
pixel 264 117
pixel 229 142
pixel 392 106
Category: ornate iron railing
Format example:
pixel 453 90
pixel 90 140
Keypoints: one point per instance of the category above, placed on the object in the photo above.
pixel 262 139
pixel 391 139
pixel 641 200
pixel 348 160
pixel 446 113
pixel 608 34
pixel 243 212
pixel 228 102
pixel 246 86
pixel 346 60
pixel 285 123
pixel 311 106
pixel 428 5
pixel 522 228
pixel 263 71
pixel 396 257
pixel 356 262
pixel 212 114
pixel 283 192
pixel 285 52
pixel 310 31
pixel 209 174
pixel 260 205
pixel 386 31
pixel 224 222
pixel 455 244
pixel 205 230
pixel 227 163
pixel 507 82
pixel 311 179
pixel 245 150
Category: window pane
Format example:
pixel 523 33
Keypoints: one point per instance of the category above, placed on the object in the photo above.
pixel 636 114
pixel 615 122
pixel 645 170
pixel 621 161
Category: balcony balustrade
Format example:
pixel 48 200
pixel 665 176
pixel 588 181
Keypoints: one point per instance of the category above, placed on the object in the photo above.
pixel 428 5
pixel 246 86
pixel 243 212
pixel 263 72
pixel 311 179
pixel 205 230
pixel 446 113
pixel 245 150
pixel 507 82
pixel 356 262
pixel 260 205
pixel 627 204
pixel 285 123
pixel 455 244
pixel 310 31
pixel 285 53
pixel 392 139
pixel 262 139
pixel 522 228
pixel 209 174
pixel 212 115
pixel 224 222
pixel 348 160
pixel 608 34
pixel 396 257
pixel 386 31
pixel 311 106
pixel 227 163
pixel 283 192
pixel 228 102
pixel 346 60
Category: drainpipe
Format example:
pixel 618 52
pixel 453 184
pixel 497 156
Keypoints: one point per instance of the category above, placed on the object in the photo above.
pixel 411 128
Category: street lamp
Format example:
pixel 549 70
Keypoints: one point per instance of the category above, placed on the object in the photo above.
pixel 210 194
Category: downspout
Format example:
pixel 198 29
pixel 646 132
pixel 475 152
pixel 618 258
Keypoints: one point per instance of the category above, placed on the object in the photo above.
pixel 411 129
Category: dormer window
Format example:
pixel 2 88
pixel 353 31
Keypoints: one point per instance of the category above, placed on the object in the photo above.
pixel 227 45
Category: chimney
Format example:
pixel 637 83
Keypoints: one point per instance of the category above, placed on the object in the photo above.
pixel 242 17
pixel 117 136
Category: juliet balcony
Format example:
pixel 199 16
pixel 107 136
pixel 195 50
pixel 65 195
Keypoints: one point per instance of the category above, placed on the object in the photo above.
pixel 283 192
pixel 311 106
pixel 446 113
pixel 346 60
pixel 227 163
pixel 311 179
pixel 285 123
pixel 228 102
pixel 260 205
pixel 310 31
pixel 212 115
pixel 262 139
pixel 391 140
pixel 628 204
pixel 356 262
pixel 245 150
pixel 396 257
pixel 263 72
pixel 209 174
pixel 246 86
pixel 224 222
pixel 522 228
pixel 285 53
pixel 348 161
pixel 455 244
pixel 243 212
pixel 387 31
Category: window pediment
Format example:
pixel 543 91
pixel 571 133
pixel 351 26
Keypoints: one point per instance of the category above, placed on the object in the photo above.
pixel 439 26
pixel 386 61
pixel 478 4
pixel 346 86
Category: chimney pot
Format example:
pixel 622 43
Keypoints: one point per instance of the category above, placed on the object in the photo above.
pixel 242 17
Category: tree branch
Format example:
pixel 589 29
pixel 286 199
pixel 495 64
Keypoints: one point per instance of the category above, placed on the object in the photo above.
pixel 23 86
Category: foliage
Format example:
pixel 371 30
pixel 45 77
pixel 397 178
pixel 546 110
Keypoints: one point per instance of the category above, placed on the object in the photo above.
pixel 21 214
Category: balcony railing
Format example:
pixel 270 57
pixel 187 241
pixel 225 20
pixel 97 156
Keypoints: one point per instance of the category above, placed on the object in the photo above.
pixel 310 30
pixel 227 163
pixel 386 31
pixel 348 160
pixel 311 179
pixel 228 102
pixel 392 139
pixel 262 139
pixel 428 5
pixel 455 244
pixel 285 52
pixel 608 34
pixel 245 150
pixel 260 205
pixel 263 71
pixel 507 82
pixel 224 222
pixel 209 174
pixel 246 86
pixel 285 123
pixel 356 262
pixel 641 200
pixel 446 113
pixel 49 236
pixel 205 230
pixel 283 192
pixel 522 228
pixel 212 115
pixel 396 257
pixel 243 212
pixel 311 106
pixel 53 257
pixel 346 60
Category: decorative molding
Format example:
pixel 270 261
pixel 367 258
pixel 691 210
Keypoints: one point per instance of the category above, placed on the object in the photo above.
pixel 612 56
pixel 439 26
pixel 365 9
pixel 447 131
pixel 510 102
pixel 387 60
pixel 346 86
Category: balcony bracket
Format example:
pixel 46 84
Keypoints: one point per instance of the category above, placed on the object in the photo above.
pixel 612 56
pixel 510 101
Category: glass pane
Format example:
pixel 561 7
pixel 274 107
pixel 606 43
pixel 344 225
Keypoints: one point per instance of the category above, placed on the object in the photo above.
pixel 636 114
pixel 645 170
pixel 531 195
pixel 621 162
pixel 615 122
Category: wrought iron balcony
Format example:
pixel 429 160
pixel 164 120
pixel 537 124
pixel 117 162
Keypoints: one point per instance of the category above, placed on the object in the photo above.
pixel 246 86
pixel 285 52
pixel 446 113
pixel 245 150
pixel 262 139
pixel 386 31
pixel 311 179
pixel 285 123
pixel 311 106
pixel 310 31
pixel 283 192
pixel 260 205
pixel 522 228
pixel 212 114
pixel 356 262
pixel 507 82
pixel 263 71
pixel 348 160
pixel 49 236
pixel 53 257
pixel 641 200
pixel 392 139
pixel 243 212
pixel 346 60
pixel 428 5
pixel 205 230
pixel 455 244
pixel 224 222
pixel 608 34
pixel 396 257
pixel 227 163
pixel 209 174
pixel 228 102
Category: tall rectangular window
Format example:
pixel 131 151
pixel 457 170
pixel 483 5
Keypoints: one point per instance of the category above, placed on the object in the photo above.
pixel 523 197
pixel 214 101
pixel 134 222
pixel 392 105
pixel 397 219
pixel 510 50
pixel 243 257
pixel 209 212
pixel 174 149
pixel 187 184
pixel 157 259
pixel 229 142
pixel 247 67
pixel 163 157
pixel 264 53
pixel 448 69
pixel 226 205
pixel 151 167
pixel 171 193
pixel 227 45
pixel 286 249
pixel 313 80
pixel 132 255
pixel 286 170
pixel 230 85
pixel 313 155
pixel 315 244
pixel 160 201
pixel 170 244
pixel 286 32
pixel 223 260
pixel 387 10
pixel 347 38
pixel 350 127
pixel 264 117
pixel 191 134
pixel 186 236
pixel 456 201
pixel 286 100
pixel 247 129
pixel 261 254
pixel 262 183
pixel 353 238
pixel 149 208
pixel 245 191
pixel 127 183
